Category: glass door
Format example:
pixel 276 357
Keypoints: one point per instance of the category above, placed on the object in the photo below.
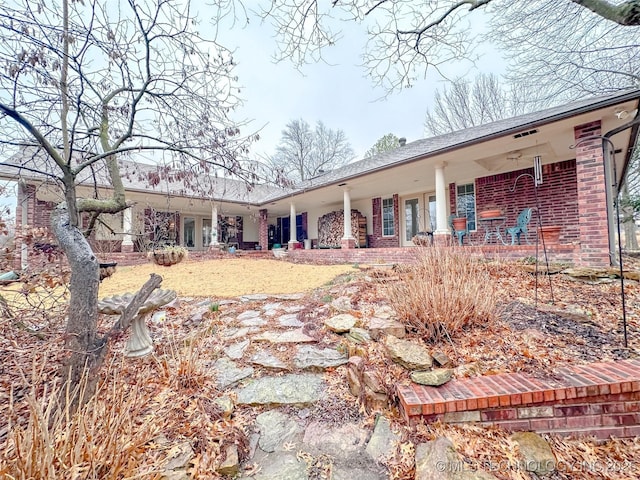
pixel 432 213
pixel 189 232
pixel 411 218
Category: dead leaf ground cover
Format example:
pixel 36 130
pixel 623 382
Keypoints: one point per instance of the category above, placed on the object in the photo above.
pixel 176 392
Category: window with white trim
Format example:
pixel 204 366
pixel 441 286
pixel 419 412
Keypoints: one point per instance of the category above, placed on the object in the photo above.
pixel 466 203
pixel 388 218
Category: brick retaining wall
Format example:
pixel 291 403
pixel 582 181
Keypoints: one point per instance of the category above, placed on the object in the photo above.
pixel 599 399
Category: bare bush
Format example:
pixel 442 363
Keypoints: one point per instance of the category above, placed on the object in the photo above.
pixel 445 292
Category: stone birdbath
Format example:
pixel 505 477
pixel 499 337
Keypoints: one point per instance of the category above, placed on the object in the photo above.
pixel 139 343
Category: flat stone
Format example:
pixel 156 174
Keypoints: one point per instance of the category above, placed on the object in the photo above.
pixel 293 308
pixel 290 336
pixel 253 322
pixel 374 472
pixel 268 360
pixel 438 460
pixel 276 429
pixel 537 456
pixel 342 304
pixel 379 327
pixel 434 378
pixel 290 296
pixel 310 357
pixel 280 466
pixel 271 309
pixel 236 350
pixel 290 320
pixel 383 441
pixel 410 355
pixel 346 440
pixel 248 314
pixel 292 389
pixel 341 323
pixel 358 335
pixel 229 373
pixel 254 297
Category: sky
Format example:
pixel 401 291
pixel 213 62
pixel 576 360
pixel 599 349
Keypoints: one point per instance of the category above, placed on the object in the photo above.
pixel 335 92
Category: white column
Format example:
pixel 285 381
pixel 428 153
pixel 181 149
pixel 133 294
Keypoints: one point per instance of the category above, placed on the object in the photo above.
pixel 214 226
pixel 347 215
pixel 24 220
pixel 292 224
pixel 127 224
pixel 442 200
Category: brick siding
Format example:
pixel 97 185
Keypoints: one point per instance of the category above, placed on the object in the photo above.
pixel 592 199
pixel 376 240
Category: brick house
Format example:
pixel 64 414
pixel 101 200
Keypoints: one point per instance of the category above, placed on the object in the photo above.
pixel 394 195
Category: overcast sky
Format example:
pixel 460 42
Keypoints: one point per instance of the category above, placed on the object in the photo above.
pixel 336 92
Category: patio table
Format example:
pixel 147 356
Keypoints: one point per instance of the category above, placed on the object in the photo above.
pixel 492 227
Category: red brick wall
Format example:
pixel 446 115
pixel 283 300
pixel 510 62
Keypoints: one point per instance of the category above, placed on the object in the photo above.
pixel 376 240
pixel 592 201
pixel 263 233
pixel 557 197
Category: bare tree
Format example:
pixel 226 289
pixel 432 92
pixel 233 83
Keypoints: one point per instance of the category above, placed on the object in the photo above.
pixel 85 83
pixel 408 39
pixel 563 51
pixel 304 153
pixel 468 103
pixel 384 144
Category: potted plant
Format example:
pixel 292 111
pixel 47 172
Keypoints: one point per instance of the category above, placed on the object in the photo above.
pixel 459 223
pixel 167 256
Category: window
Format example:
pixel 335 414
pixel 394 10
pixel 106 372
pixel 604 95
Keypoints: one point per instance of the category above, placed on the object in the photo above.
pixel 466 203
pixel 388 224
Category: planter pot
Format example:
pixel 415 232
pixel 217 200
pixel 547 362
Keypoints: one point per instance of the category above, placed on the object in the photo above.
pixel 550 233
pixel 107 269
pixel 166 258
pixel 459 224
pixel 490 213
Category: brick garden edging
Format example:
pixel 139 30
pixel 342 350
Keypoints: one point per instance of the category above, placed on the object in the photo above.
pixel 598 399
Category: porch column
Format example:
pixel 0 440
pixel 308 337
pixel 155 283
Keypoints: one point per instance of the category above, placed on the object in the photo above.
pixel 592 198
pixel 23 195
pixel 127 225
pixel 441 235
pixel 347 240
pixel 263 229
pixel 214 226
pixel 292 226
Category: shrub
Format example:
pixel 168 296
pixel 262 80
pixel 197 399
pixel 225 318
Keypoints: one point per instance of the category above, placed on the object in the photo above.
pixel 444 292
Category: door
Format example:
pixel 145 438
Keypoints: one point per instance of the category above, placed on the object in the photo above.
pixel 411 219
pixel 189 232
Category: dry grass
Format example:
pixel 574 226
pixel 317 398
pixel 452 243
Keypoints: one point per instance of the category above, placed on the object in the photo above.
pixel 443 293
pixel 103 440
pixel 226 277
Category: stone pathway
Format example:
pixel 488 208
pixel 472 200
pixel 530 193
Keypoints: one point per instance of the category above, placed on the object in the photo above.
pixel 274 358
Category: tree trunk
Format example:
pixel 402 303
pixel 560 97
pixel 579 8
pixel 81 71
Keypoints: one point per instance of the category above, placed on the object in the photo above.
pixel 80 335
